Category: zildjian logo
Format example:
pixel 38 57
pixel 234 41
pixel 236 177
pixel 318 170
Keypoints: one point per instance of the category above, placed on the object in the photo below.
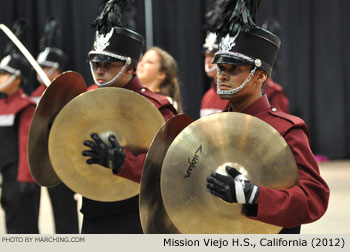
pixel 193 162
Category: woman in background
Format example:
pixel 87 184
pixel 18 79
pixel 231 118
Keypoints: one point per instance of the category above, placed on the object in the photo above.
pixel 157 70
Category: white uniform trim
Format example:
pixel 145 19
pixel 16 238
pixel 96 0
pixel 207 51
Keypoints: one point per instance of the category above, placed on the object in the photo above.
pixel 239 186
pixel 208 111
pixel 7 120
pixel 7 83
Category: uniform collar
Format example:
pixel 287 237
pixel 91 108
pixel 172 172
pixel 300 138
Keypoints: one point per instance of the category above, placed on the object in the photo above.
pixel 14 96
pixel 213 85
pixel 134 84
pixel 259 105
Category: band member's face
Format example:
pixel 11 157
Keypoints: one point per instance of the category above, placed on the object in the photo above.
pixel 6 85
pixel 210 68
pixel 106 71
pixel 232 76
pixel 50 72
pixel 148 68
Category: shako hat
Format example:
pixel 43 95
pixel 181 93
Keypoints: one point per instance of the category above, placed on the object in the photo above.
pixel 114 42
pixel 242 41
pixel 212 18
pixel 51 56
pixel 13 61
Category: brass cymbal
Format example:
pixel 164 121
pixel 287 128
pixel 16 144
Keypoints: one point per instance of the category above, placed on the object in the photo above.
pixel 154 219
pixel 134 121
pixel 62 89
pixel 245 142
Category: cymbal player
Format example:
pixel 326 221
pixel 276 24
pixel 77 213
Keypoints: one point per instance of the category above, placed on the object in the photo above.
pixel 113 61
pixel 245 59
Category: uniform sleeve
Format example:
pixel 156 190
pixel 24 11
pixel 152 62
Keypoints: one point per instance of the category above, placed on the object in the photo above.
pixel 133 165
pixel 25 120
pixel 304 203
pixel 167 113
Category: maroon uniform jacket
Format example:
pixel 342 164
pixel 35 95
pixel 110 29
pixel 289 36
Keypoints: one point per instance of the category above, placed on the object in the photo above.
pixel 308 200
pixel 133 165
pixel 211 102
pixel 276 95
pixel 16 112
pixel 38 92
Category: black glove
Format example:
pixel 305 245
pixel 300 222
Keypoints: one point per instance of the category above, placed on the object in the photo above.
pixel 235 188
pixel 26 187
pixel 111 157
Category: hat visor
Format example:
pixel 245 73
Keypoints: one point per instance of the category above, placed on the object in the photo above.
pixel 229 59
pixel 7 70
pixel 94 57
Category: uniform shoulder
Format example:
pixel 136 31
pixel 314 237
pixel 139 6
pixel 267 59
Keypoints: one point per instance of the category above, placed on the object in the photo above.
pixel 272 87
pixel 25 101
pixel 276 112
pixel 158 98
pixel 160 101
pixel 284 122
pixel 278 87
pixel 38 91
pixel 17 103
pixel 92 87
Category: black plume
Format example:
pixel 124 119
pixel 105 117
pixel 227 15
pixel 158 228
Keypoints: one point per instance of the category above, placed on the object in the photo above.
pixel 18 29
pixel 238 15
pixel 49 35
pixel 110 16
pixel 213 17
pixel 129 15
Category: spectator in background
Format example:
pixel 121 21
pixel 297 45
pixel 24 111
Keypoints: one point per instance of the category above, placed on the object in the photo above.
pixel 157 70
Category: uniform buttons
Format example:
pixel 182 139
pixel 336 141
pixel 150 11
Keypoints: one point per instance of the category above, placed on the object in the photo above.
pixel 274 109
pixel 23 95
pixel 143 89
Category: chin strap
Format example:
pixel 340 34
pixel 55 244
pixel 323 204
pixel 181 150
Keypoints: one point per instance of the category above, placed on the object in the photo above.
pixel 235 90
pixel 7 83
pixel 108 83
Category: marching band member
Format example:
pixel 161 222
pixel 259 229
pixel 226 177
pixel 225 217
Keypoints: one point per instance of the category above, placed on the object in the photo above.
pixel 20 196
pixel 244 60
pixel 113 61
pixel 53 61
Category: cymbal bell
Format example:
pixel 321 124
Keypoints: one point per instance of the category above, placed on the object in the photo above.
pixel 132 118
pixel 245 142
pixel 154 219
pixel 63 88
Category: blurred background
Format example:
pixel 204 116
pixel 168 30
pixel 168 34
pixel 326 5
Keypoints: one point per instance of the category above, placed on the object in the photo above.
pixel 314 59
